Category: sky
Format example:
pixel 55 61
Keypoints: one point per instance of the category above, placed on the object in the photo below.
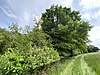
pixel 23 13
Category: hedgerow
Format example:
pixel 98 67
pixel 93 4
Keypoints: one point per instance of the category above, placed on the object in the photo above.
pixel 18 62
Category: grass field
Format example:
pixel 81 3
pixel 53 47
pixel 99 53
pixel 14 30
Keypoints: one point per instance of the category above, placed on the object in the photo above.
pixel 85 64
pixel 93 61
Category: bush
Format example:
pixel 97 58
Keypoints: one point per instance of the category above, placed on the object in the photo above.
pixel 15 62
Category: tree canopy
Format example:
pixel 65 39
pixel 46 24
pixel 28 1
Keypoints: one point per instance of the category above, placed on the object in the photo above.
pixel 66 28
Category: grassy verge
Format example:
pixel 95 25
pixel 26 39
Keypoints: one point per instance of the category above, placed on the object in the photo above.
pixel 84 64
pixel 93 60
pixel 59 67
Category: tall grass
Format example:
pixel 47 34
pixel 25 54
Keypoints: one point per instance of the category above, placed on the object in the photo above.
pixel 85 64
pixel 59 67
pixel 77 67
pixel 93 60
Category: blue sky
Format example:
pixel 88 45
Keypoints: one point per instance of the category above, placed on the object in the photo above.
pixel 24 11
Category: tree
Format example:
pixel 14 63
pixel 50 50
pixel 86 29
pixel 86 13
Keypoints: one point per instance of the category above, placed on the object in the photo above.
pixel 4 40
pixel 39 38
pixel 67 30
pixel 95 49
pixel 92 48
pixel 14 28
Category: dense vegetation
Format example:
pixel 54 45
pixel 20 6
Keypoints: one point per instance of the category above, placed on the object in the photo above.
pixel 62 34
pixel 68 31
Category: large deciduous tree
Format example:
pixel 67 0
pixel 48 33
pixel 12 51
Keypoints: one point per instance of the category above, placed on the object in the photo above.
pixel 67 30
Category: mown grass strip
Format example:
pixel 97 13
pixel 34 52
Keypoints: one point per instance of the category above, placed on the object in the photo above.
pixel 59 68
pixel 84 64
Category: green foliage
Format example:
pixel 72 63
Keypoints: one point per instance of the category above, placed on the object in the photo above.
pixel 39 38
pixel 58 15
pixel 22 63
pixel 12 39
pixel 68 32
pixel 92 48
pixel 4 40
pixel 24 51
pixel 14 28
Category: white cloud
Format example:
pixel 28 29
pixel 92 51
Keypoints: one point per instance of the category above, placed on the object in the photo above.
pixel 26 16
pixel 87 4
pixel 90 11
pixel 23 10
pixel 98 13
pixel 95 14
pixel 86 16
pixel 8 12
pixel 94 35
pixel 67 3
pixel 91 15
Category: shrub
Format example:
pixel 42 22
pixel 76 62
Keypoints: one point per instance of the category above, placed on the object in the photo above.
pixel 16 62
